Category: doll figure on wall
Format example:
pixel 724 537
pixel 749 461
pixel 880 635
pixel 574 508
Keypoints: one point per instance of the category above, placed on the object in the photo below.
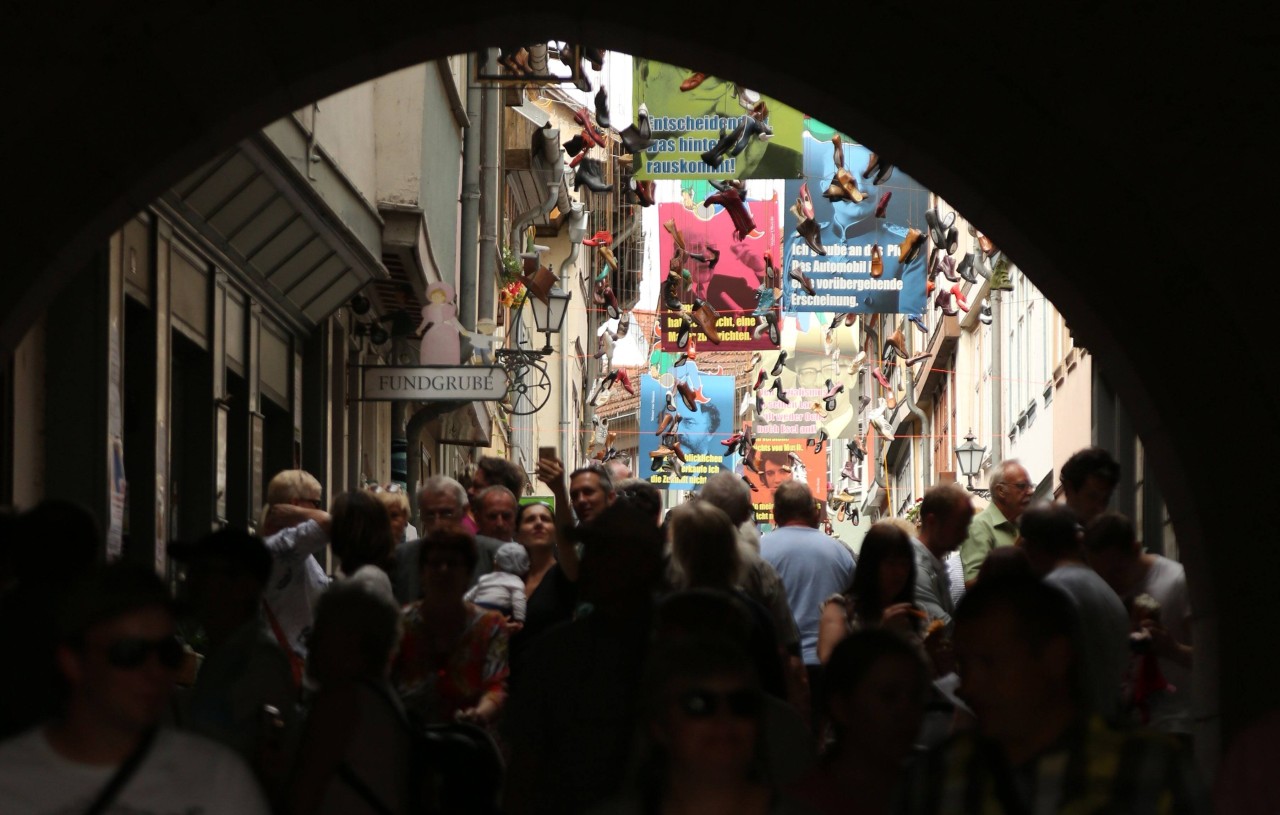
pixel 439 328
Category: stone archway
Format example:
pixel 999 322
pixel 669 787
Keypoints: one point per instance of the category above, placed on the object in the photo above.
pixel 1105 150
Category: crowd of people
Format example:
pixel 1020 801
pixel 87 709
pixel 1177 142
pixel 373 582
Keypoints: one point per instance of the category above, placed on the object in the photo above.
pixel 588 654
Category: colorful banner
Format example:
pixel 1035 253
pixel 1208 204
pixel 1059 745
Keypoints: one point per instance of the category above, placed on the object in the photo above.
pixel 700 430
pixel 685 124
pixel 816 381
pixel 852 234
pixel 732 287
pixel 778 460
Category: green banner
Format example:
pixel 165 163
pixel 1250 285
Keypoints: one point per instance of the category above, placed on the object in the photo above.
pixel 700 130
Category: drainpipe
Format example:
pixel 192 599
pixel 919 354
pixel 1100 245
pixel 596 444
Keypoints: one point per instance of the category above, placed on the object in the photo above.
pixel 491 200
pixel 548 169
pixel 924 424
pixel 997 403
pixel 578 218
pixel 468 229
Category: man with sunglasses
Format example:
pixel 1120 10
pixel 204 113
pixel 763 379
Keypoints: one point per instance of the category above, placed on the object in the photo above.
pixel 119 657
pixel 997 524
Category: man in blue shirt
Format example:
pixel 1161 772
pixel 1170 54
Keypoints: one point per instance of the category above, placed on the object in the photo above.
pixel 813 566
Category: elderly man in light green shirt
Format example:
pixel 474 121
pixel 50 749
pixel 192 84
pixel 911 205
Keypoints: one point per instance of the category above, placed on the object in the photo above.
pixel 997 525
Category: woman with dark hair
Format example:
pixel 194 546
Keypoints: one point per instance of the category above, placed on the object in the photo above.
pixel 361 533
pixel 876 686
pixel 705 731
pixel 452 664
pixel 882 591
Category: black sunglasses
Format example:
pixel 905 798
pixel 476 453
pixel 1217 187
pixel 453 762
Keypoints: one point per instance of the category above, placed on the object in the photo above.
pixel 133 653
pixel 701 703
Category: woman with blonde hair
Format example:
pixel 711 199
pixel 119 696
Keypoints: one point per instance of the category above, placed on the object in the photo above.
pixel 393 497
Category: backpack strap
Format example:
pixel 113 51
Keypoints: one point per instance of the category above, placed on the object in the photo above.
pixel 122 775
pixel 296 664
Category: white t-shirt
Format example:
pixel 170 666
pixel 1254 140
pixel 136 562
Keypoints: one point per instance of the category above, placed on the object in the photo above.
pixel 182 774
pixel 297 581
pixel 1103 638
pixel 1166 581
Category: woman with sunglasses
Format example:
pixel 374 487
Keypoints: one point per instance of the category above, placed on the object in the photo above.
pixel 704 723
pixel 882 592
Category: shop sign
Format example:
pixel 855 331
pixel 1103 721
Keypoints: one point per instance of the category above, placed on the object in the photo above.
pixel 433 383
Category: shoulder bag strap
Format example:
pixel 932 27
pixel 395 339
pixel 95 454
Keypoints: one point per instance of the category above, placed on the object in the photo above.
pixel 122 775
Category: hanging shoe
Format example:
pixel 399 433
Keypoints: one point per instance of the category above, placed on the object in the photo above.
pixel 766 299
pixel 777 366
pixel 704 317
pixel 943 301
pixel 733 440
pixel 965 269
pixel 601 238
pixel 692 81
pixel 909 249
pixel 822 439
pixel 715 156
pixel 938 226
pixel 879 375
pixel 624 324
pixel 960 301
pixel 602 107
pixel 591 175
pixel 920 357
pixel 660 451
pixel 884 203
pixel 898 342
pixel 984 315
pixel 918 321
pixel 676 235
pixel 594 393
pixel 672 287
pixel 882 175
pixel 677 449
pixel 687 394
pixel 664 422
pixel 644 192
pixel 834 389
pixel 877 261
pixel 848 471
pixel 624 379
pixel 953 240
pixel 682 336
pixel 671 401
pixel 760 377
pixel 777 389
pixel 946 265
pixel 590 133
pixel 799 276
pixel 808 229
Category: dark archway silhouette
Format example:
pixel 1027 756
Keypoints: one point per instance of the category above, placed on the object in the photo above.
pixel 1110 150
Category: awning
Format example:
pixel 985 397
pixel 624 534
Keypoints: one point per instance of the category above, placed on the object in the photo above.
pixel 294 226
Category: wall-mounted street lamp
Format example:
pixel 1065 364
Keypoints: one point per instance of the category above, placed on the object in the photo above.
pixel 549 313
pixel 970 456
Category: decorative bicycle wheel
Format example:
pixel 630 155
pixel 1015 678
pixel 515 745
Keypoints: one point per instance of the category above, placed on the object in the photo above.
pixel 528 385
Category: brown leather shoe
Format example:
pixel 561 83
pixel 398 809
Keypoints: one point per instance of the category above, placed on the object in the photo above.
pixel 705 317
pixel 910 246
pixel 877 261
pixel 660 451
pixel 837 150
pixel 687 395
pixel 898 342
pixel 670 226
pixel 692 81
pixel 850 185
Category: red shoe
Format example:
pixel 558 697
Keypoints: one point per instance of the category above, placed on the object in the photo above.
pixel 589 132
pixel 884 383
pixel 693 81
pixel 960 301
pixel 759 380
pixel 625 379
pixel 884 203
pixel 601 238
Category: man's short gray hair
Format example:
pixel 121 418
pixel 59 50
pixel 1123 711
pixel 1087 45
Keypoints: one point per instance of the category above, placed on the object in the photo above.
pixel 496 489
pixel 443 484
pixel 998 471
pixel 730 493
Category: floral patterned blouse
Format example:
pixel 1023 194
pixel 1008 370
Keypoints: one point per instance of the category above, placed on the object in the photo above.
pixel 432 688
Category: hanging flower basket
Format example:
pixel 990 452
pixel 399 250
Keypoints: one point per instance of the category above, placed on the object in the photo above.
pixel 512 295
pixel 511 267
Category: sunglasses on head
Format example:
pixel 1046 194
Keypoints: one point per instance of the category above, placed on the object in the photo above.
pixel 701 703
pixel 134 653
